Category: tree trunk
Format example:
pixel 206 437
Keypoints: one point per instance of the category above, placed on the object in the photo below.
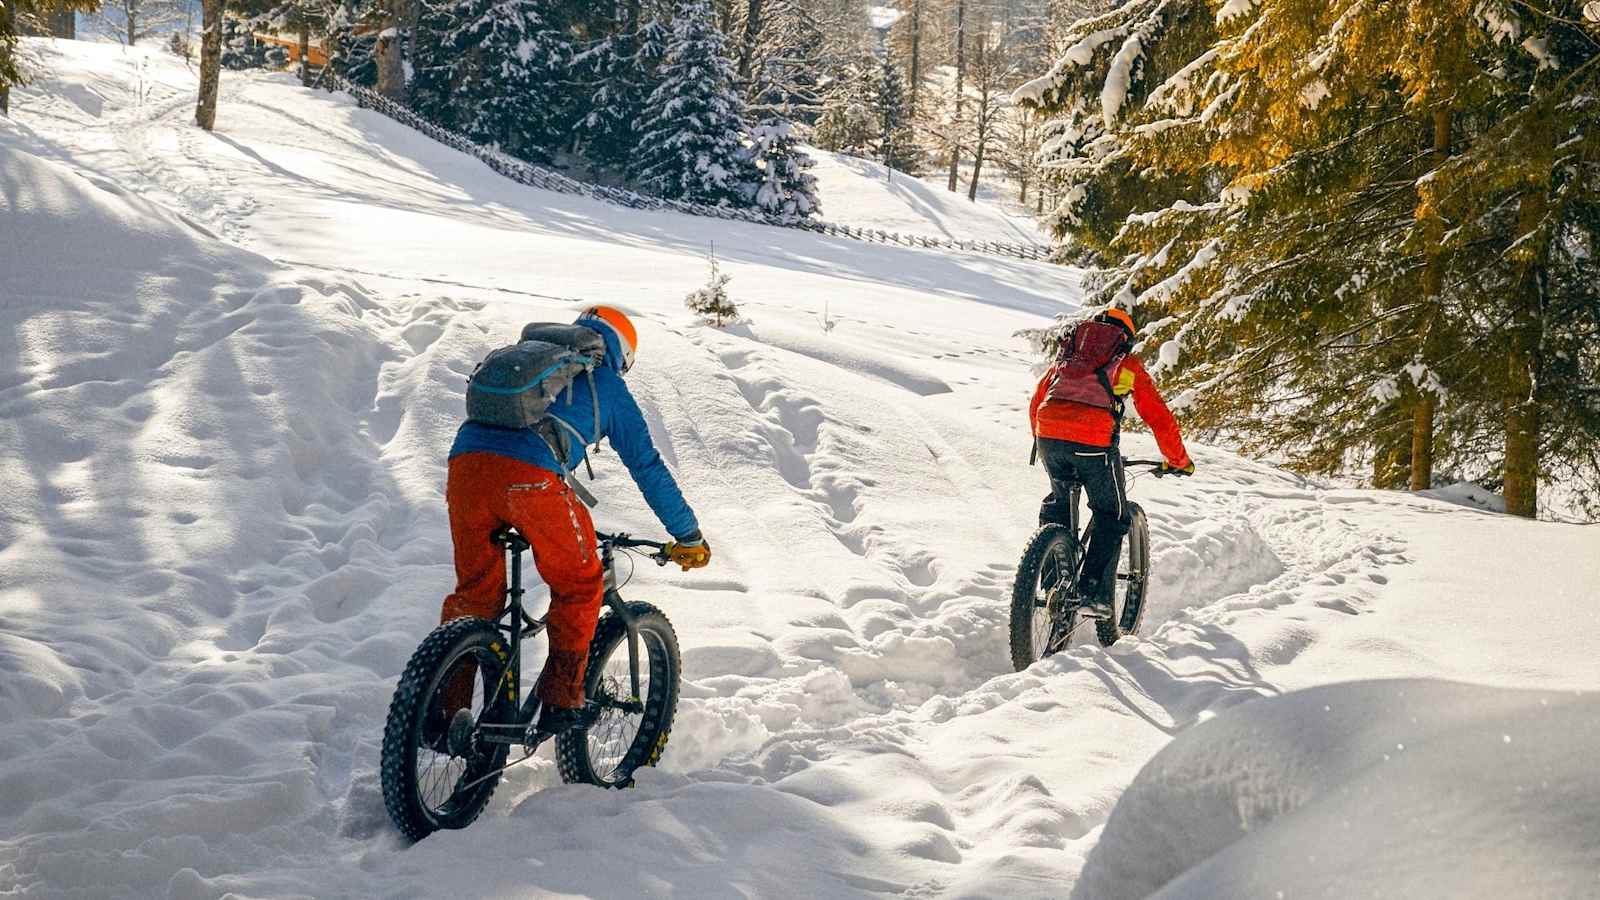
pixel 391 70
pixel 916 57
pixel 1523 367
pixel 982 117
pixel 961 71
pixel 1422 414
pixel 977 166
pixel 205 114
pixel 132 11
pixel 305 54
pixel 8 25
pixel 752 31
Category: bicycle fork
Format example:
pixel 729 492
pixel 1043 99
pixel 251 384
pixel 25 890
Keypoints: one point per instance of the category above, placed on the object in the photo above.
pixel 620 610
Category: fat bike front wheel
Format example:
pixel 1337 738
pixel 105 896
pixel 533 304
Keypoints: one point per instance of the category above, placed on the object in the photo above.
pixel 624 732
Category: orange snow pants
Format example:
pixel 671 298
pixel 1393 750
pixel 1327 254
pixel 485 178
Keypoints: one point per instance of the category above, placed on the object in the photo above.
pixel 485 491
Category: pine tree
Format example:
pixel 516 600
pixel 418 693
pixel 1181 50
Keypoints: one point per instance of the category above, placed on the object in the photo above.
pixel 240 49
pixel 618 72
pixel 850 120
pixel 895 146
pixel 352 53
pixel 786 70
pixel 1349 222
pixel 691 142
pixel 510 81
pixel 434 58
pixel 787 189
pixel 712 301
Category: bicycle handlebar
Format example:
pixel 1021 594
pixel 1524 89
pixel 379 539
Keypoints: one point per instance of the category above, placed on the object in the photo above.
pixel 622 540
pixel 1157 467
pixel 1152 463
pixel 629 543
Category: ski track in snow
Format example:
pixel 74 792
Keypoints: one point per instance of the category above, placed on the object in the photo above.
pixel 258 516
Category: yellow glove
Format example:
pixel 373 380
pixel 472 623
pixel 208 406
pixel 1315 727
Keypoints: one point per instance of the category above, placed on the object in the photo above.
pixel 1169 469
pixel 691 553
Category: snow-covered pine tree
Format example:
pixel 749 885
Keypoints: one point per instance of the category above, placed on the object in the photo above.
pixel 433 60
pixel 240 49
pixel 691 134
pixel 1270 180
pixel 896 145
pixel 712 301
pixel 349 55
pixel 618 73
pixel 510 81
pixel 787 188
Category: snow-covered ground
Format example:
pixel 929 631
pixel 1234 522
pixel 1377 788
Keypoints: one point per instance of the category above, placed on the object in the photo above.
pixel 231 364
pixel 865 193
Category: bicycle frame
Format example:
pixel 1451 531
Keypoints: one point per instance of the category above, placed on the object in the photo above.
pixel 1080 536
pixel 517 625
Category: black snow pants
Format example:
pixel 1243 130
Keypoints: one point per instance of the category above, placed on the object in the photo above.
pixel 1099 471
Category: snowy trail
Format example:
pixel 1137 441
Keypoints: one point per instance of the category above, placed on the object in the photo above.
pixel 227 533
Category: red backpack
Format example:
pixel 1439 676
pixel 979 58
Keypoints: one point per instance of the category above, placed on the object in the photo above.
pixel 1084 363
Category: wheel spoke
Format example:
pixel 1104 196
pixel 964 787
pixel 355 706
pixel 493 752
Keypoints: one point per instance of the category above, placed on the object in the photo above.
pixel 613 733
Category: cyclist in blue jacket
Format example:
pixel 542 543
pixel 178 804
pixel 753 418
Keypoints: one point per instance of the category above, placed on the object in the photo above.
pixel 503 476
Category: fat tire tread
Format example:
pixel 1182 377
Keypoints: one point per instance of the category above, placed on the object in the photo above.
pixel 397 773
pixel 1126 620
pixel 1022 599
pixel 1139 543
pixel 572 747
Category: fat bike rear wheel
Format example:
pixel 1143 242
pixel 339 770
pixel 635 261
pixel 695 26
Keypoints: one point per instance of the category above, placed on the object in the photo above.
pixel 435 773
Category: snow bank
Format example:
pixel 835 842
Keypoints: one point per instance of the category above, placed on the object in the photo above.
pixel 1408 788
pixel 198 539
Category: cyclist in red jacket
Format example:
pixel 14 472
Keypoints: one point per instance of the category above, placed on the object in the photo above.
pixel 1076 414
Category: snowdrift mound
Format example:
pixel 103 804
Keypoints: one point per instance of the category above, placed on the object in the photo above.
pixel 1405 788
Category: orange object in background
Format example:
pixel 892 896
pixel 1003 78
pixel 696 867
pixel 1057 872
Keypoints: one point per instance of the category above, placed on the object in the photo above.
pixel 314 53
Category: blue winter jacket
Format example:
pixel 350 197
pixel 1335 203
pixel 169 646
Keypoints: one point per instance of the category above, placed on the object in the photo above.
pixel 620 421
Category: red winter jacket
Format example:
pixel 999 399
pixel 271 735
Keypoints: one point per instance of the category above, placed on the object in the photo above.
pixel 1094 427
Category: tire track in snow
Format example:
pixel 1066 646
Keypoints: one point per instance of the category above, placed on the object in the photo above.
pixel 987 806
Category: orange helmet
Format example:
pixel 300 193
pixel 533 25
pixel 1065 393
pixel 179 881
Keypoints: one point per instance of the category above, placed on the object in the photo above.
pixel 619 324
pixel 1120 317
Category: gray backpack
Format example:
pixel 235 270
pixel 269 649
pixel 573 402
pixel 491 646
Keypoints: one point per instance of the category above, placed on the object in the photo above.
pixel 515 386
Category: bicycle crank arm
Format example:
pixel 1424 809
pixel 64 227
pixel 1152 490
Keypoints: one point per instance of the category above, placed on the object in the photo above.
pixel 633 707
pixel 504 734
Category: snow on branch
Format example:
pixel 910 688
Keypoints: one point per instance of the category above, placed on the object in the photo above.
pixel 1118 79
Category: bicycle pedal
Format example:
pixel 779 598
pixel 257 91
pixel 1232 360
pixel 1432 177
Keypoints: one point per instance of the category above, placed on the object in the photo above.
pixel 533 739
